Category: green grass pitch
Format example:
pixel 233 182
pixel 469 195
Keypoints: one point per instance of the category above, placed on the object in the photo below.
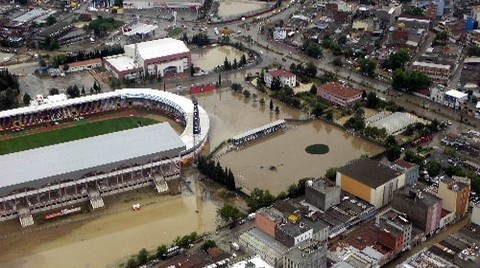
pixel 82 129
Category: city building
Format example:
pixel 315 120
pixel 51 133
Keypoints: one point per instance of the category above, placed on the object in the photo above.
pixel 423 209
pixel 392 222
pixel 251 263
pixel 455 193
pixel 476 214
pixel 320 229
pixel 279 33
pixel 285 77
pixel 157 57
pixel 339 94
pixel 439 73
pixel 83 65
pixel 370 180
pixel 322 193
pixel 256 242
pixel 267 220
pixel 454 98
pixel 52 33
pixel 411 170
pixel 290 234
pixel 307 254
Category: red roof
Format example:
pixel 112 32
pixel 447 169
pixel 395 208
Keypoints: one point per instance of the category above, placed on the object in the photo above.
pixel 340 90
pixel 403 163
pixel 281 72
pixel 214 252
pixel 85 62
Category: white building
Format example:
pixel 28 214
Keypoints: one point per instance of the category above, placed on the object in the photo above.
pixel 286 78
pixel 279 33
pixel 156 57
pixel 454 98
pixel 83 65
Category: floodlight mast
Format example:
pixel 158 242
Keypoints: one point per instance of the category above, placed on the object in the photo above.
pixel 196 129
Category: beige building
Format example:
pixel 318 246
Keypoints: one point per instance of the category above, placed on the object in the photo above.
pixel 455 194
pixel 370 181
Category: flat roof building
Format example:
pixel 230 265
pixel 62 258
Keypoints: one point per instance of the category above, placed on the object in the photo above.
pixel 157 57
pixel 322 193
pixel 267 220
pixel 455 193
pixel 423 209
pixel 307 254
pixel 370 180
pixel 256 242
pixel 290 234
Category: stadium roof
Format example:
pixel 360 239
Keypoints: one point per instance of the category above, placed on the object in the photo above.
pixel 258 129
pixel 179 102
pixel 393 123
pixel 369 172
pixel 84 154
pixel 159 48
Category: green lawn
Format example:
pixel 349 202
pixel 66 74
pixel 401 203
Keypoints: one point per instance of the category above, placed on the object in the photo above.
pixel 82 129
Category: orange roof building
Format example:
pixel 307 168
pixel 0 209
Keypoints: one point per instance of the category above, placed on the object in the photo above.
pixel 339 94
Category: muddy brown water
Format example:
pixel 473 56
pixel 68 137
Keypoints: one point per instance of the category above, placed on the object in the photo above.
pixel 230 8
pixel 208 58
pixel 108 239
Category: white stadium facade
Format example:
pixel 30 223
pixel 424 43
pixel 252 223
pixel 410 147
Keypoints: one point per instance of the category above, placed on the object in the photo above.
pixel 60 175
pixel 157 57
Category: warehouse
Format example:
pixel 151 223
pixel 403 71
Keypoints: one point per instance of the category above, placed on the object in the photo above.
pixel 157 57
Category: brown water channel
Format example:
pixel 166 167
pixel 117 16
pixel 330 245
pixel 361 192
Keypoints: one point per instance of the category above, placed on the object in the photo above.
pixel 208 58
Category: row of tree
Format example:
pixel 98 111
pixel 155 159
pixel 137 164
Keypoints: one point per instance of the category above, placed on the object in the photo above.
pixel 227 65
pixel 9 90
pixel 215 172
pixel 62 59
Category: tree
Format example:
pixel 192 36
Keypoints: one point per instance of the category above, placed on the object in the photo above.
pixel 142 257
pixel 236 87
pixel 66 67
pixel 473 51
pixel 313 50
pixel 390 141
pixel 410 80
pixel 337 62
pixel 162 249
pixel 311 69
pixel 271 105
pixel 397 60
pixel 372 100
pixel 26 99
pixel 357 121
pixel 53 91
pixel 259 198
pixel 331 173
pixel 192 70
pixel 313 89
pixel 393 153
pixel 262 102
pixel 367 67
pixel 246 94
pixel 208 244
pixel 73 91
pixel 434 168
pixel 42 62
pixel 277 109
pixel 293 68
pixel 132 262
pixel 51 20
pixel 83 90
pixel 318 109
pixel 229 213
pixel 275 85
pixel 118 3
pixel 297 189
pixel 415 11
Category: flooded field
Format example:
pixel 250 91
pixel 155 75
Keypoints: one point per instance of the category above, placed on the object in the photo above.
pixel 107 240
pixel 229 8
pixel 210 57
pixel 279 161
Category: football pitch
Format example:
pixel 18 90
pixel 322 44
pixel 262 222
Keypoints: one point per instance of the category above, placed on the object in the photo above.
pixel 80 130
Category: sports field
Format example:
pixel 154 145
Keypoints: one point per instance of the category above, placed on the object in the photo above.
pixel 80 130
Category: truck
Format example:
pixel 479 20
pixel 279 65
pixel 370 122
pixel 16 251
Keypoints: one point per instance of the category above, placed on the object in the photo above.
pixel 251 216
pixel 235 246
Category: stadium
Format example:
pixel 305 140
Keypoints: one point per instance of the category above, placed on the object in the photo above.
pixel 63 174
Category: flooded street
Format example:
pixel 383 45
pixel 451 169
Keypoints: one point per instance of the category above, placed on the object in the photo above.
pixel 210 57
pixel 106 240
pixel 230 8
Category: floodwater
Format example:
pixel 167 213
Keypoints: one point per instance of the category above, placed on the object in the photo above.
pixel 229 8
pixel 231 114
pixel 109 239
pixel 210 57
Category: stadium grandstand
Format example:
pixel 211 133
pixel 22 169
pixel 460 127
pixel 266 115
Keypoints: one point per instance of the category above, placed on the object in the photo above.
pixel 55 176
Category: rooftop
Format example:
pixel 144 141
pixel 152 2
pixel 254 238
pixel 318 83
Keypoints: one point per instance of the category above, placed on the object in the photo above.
pixel 368 172
pixel 293 230
pixel 271 213
pixel 121 62
pixel 418 197
pixel 257 261
pixel 404 164
pixel 85 62
pixel 159 48
pixel 431 65
pixel 340 90
pixel 76 156
pixel 305 248
pixel 456 94
pixel 322 185
pixel 281 73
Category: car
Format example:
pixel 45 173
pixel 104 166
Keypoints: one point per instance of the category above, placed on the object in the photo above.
pixel 283 59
